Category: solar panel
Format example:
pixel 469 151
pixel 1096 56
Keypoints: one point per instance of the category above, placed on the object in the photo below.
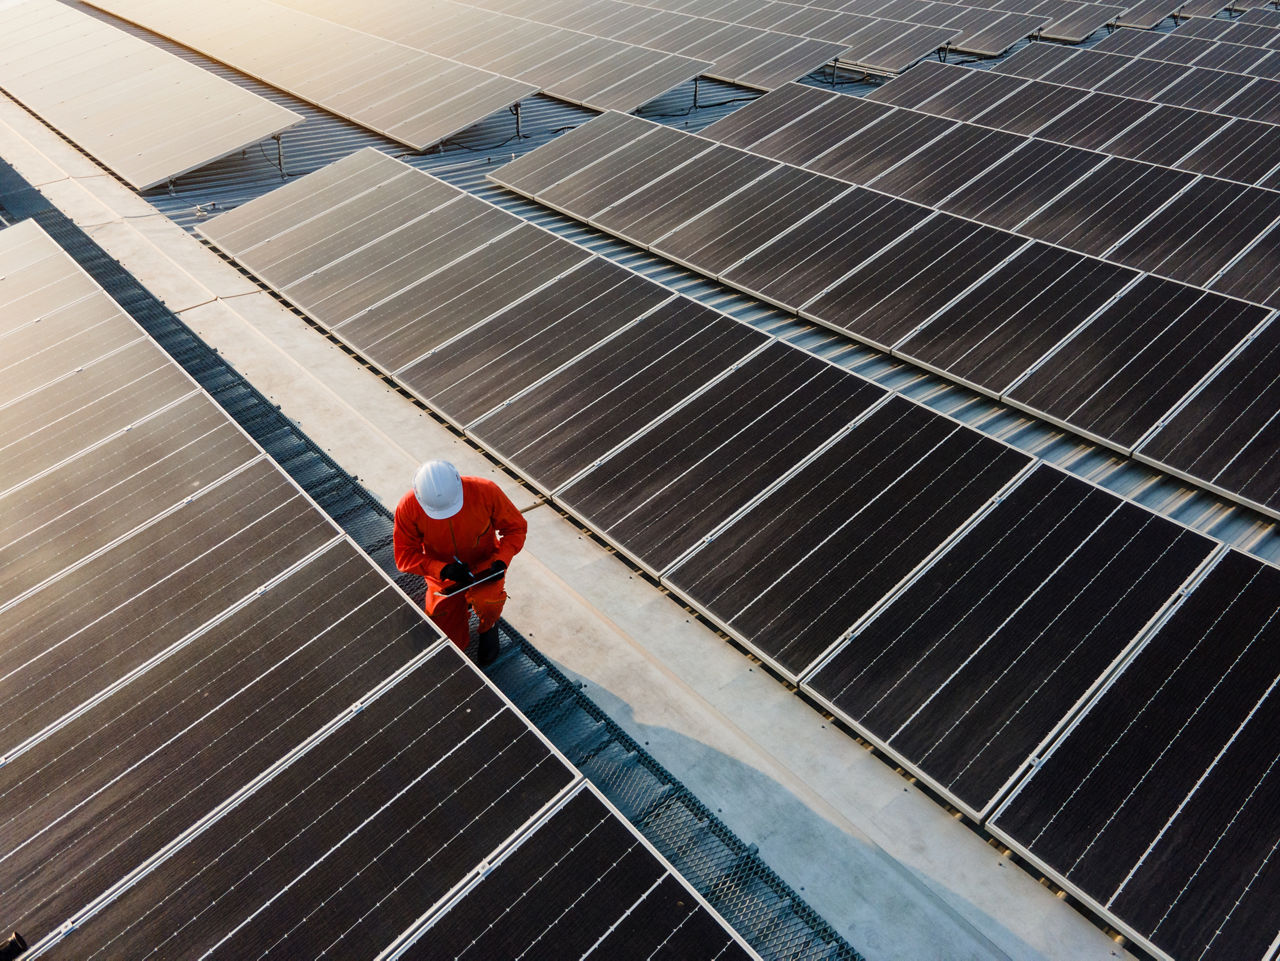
pixel 947 91
pixel 1119 376
pixel 1077 22
pixel 357 807
pixel 715 453
pixel 1244 151
pixel 869 153
pixel 1201 232
pixel 886 298
pixel 968 671
pixel 145 763
pixel 1225 436
pixel 145 114
pixel 1023 183
pixel 811 257
pixel 765 114
pixel 890 47
pixel 1095 120
pixel 812 135
pixel 942 167
pixel 1106 205
pixel 583 883
pixel 566 422
pixel 1166 135
pixel 104 618
pixel 994 32
pixel 1146 14
pixel 1029 108
pixel 1157 805
pixel 1247 34
pixel 994 333
pixel 722 235
pixel 792 574
pixel 531 339
pixel 538 170
pixel 1143 79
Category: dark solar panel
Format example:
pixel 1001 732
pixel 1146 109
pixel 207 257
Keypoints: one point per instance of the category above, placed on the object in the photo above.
pixel 386 798
pixel 1197 235
pixel 996 33
pixel 1143 79
pixel 672 199
pixel 1166 135
pixel 949 163
pixel 720 236
pixel 1146 14
pixel 1106 205
pixel 568 153
pixel 891 47
pixel 794 573
pixel 672 486
pixel 807 260
pixel 1133 363
pixel 1259 100
pixel 140 767
pixel 1244 151
pixel 530 339
pixel 1036 60
pixel 817 132
pixel 871 152
pixel 1095 120
pixel 766 114
pixel 1077 22
pixel 921 83
pixel 1160 801
pixel 887 298
pixel 574 418
pixel 1029 108
pixel 1228 434
pixel 968 93
pixel 1216 91
pixel 1019 185
pixel 1254 276
pixel 994 333
pixel 580 884
pixel 973 666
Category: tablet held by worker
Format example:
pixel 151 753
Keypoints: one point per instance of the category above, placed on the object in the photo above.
pixel 460 534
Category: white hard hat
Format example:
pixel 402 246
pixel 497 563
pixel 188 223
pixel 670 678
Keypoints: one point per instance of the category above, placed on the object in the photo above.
pixel 438 489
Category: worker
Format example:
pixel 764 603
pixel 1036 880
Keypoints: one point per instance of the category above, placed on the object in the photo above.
pixel 455 531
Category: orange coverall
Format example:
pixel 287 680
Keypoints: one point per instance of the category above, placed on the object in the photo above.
pixel 488 528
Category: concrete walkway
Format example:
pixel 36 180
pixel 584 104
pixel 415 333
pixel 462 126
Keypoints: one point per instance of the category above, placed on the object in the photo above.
pixel 889 868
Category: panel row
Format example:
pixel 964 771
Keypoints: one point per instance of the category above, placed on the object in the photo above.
pixel 225 732
pixel 147 115
pixel 955 602
pixel 1056 332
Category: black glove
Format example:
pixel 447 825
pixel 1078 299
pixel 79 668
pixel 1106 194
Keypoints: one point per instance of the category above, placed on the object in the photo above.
pixel 457 572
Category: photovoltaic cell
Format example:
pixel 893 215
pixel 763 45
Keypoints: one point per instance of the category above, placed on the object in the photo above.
pixel 794 573
pixel 711 456
pixel 528 340
pixel 1096 120
pixel 949 163
pixel 1000 329
pixel 819 131
pixel 96 623
pixel 1200 232
pixel 1158 805
pixel 120 781
pixel 577 416
pixel 1097 213
pixel 1166 135
pixel 388 797
pixel 974 665
pixel 538 170
pixel 1028 109
pixel 565 888
pixel 811 257
pixel 1021 184
pixel 885 299
pixel 864 156
pixel 766 114
pixel 1134 362
pixel 1244 151
pixel 1228 434
pixel 1143 79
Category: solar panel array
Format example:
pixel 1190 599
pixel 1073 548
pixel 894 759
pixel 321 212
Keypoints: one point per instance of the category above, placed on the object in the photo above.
pixel 225 731
pixel 412 97
pixel 955 601
pixel 596 72
pixel 1055 331
pixel 145 114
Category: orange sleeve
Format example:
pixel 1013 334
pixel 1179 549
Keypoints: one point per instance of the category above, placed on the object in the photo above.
pixel 407 541
pixel 509 524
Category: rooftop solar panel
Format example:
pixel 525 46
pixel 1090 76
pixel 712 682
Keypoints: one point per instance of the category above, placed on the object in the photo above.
pixel 1228 433
pixel 145 114
pixel 1201 232
pixel 889 296
pixel 718 451
pixel 357 807
pixel 1095 120
pixel 813 256
pixel 104 618
pixel 795 572
pixel 542 168
pixel 1029 108
pixel 565 423
pixel 1146 14
pixel 1166 135
pixel 1120 375
pixel 966 673
pixel 1143 79
pixel 1022 183
pixel 766 114
pixel 947 91
pixel 943 167
pixel 994 333
pixel 579 884
pixel 1156 804
pixel 996 32
pixel 299 40
pixel 890 47
pixel 1244 151
pixel 1077 22
pixel 1213 90
pixel 865 155
pixel 531 339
